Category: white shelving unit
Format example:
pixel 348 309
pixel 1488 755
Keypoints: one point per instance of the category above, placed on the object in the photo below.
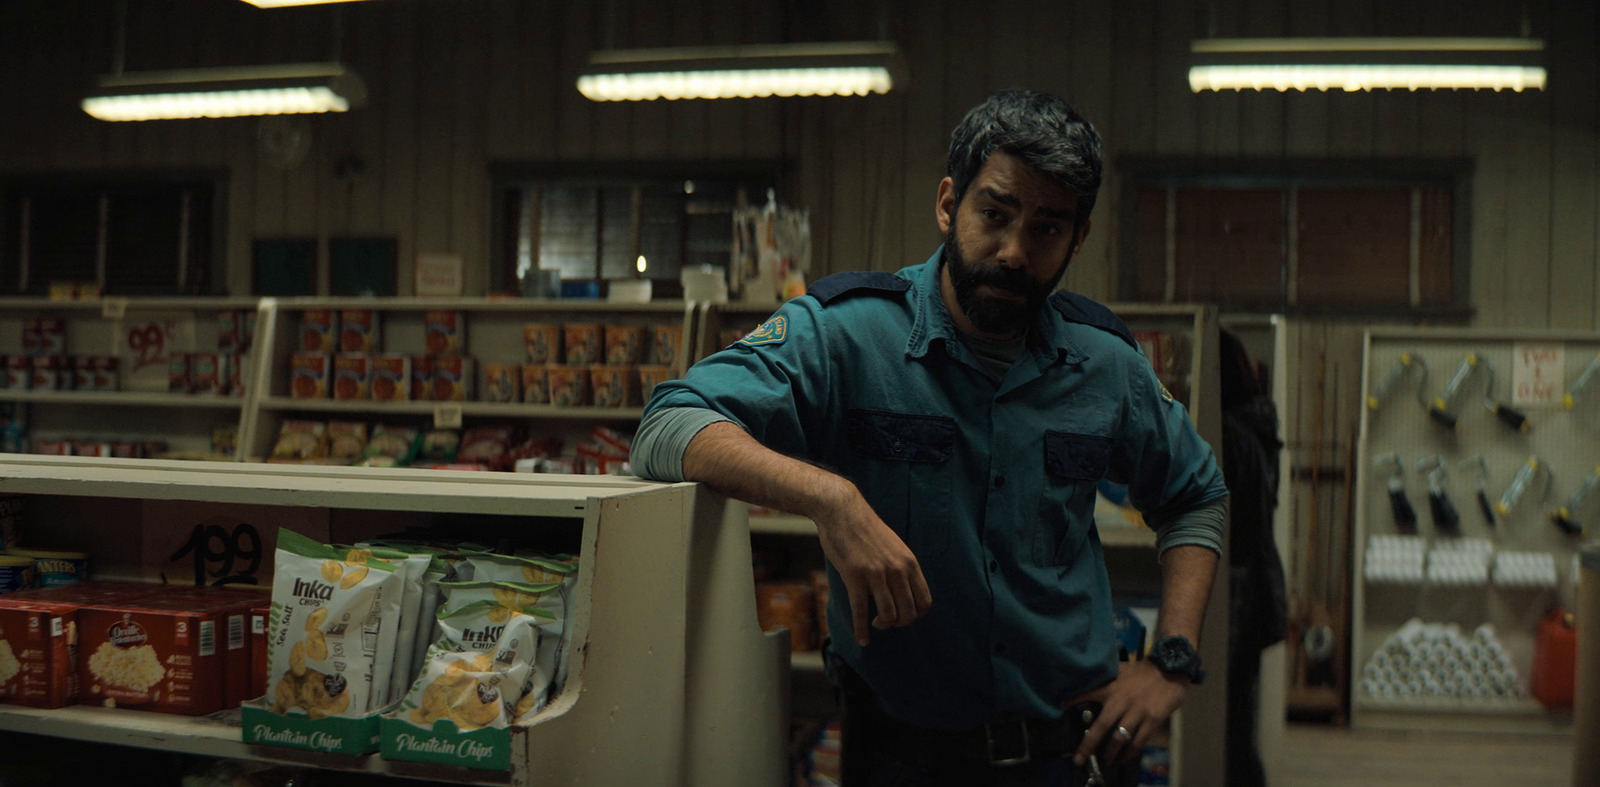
pixel 492 334
pixel 671 680
pixel 96 327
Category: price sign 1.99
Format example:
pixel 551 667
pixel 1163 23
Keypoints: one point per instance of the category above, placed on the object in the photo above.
pixel 222 555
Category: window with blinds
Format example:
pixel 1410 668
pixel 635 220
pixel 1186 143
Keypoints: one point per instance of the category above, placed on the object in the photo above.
pixel 602 230
pixel 1308 242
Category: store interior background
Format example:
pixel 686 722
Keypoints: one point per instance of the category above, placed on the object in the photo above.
pixel 460 87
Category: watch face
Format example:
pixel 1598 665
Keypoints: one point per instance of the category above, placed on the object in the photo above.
pixel 1174 654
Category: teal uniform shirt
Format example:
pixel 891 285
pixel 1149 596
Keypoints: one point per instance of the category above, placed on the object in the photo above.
pixel 991 485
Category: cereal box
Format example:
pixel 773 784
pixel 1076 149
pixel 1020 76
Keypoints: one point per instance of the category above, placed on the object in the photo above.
pixel 19 372
pixel 664 343
pixel 309 374
pixel 358 331
pixel 47 373
pixel 541 341
pixel 624 344
pixel 318 330
pixel 442 332
pixel 452 378
pixel 502 382
pixel 38 652
pixel 391 377
pixel 535 383
pixel 421 378
pixel 352 377
pixel 582 343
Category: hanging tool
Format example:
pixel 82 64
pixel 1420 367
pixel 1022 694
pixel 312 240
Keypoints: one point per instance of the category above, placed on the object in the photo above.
pixel 1483 495
pixel 1402 367
pixel 1443 406
pixel 1566 517
pixel 1512 418
pixel 1405 517
pixel 1519 485
pixel 1581 385
pixel 1445 517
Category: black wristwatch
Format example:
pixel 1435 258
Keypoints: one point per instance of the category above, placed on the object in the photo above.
pixel 1176 655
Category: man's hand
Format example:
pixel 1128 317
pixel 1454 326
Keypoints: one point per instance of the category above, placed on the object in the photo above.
pixel 1139 702
pixel 876 566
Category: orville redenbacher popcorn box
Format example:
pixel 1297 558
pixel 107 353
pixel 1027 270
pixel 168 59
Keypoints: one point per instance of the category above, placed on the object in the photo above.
pixel 156 653
pixel 38 653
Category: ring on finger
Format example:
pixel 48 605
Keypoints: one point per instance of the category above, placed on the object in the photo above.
pixel 1122 732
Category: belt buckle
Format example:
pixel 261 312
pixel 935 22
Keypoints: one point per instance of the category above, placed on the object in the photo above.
pixel 989 745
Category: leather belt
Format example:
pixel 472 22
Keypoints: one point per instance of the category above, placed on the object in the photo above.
pixel 999 744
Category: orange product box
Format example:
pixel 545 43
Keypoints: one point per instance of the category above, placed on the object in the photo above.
pixel 624 344
pixel 502 382
pixel 236 605
pixel 391 377
pixel 421 378
pixel 318 330
pixel 309 374
pixel 582 344
pixel 352 376
pixel 38 653
pixel 442 332
pixel 535 384
pixel 358 331
pixel 452 378
pixel 156 653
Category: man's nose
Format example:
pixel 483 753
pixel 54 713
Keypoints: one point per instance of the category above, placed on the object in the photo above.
pixel 1013 250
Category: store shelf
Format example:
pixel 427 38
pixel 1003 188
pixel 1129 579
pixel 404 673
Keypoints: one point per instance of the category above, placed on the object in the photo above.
pixel 502 409
pixel 1126 536
pixel 123 399
pixel 676 678
pixel 515 305
pixel 217 735
pixel 782 524
pixel 806 661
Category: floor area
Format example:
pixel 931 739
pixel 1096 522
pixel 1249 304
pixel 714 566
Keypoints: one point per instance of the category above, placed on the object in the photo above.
pixel 1315 755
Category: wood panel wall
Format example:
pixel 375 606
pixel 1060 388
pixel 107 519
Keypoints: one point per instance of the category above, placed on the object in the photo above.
pixel 456 85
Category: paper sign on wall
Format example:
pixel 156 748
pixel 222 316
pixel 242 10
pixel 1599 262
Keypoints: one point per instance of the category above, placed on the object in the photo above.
pixel 1537 373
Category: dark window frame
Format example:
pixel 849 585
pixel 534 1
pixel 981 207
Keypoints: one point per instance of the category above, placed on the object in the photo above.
pixel 1139 174
pixel 507 177
pixel 206 260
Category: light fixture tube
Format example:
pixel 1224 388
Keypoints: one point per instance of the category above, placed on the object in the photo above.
pixel 226 92
pixel 288 3
pixel 783 70
pixel 1355 64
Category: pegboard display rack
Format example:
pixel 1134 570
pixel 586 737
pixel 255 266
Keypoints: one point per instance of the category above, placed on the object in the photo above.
pixel 1467 449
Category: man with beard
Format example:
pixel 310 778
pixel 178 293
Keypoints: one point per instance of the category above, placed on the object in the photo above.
pixel 945 426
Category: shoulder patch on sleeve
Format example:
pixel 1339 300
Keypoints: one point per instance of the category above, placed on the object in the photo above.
pixel 773 331
pixel 1087 311
pixel 842 285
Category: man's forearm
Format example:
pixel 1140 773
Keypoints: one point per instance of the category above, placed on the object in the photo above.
pixel 729 460
pixel 1186 575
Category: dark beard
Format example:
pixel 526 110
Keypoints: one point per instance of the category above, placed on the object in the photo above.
pixel 994 315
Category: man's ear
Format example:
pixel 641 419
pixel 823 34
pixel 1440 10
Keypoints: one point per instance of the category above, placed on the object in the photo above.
pixel 944 208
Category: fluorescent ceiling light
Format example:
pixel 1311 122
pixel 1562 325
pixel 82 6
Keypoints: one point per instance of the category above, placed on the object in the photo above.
pixel 817 69
pixel 1354 64
pixel 287 3
pixel 227 92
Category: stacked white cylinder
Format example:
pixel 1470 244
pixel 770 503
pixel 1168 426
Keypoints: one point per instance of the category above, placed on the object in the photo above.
pixel 1525 570
pixel 1395 559
pixel 1460 562
pixel 1436 661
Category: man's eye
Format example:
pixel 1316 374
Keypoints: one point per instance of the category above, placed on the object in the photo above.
pixel 1049 229
pixel 992 214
